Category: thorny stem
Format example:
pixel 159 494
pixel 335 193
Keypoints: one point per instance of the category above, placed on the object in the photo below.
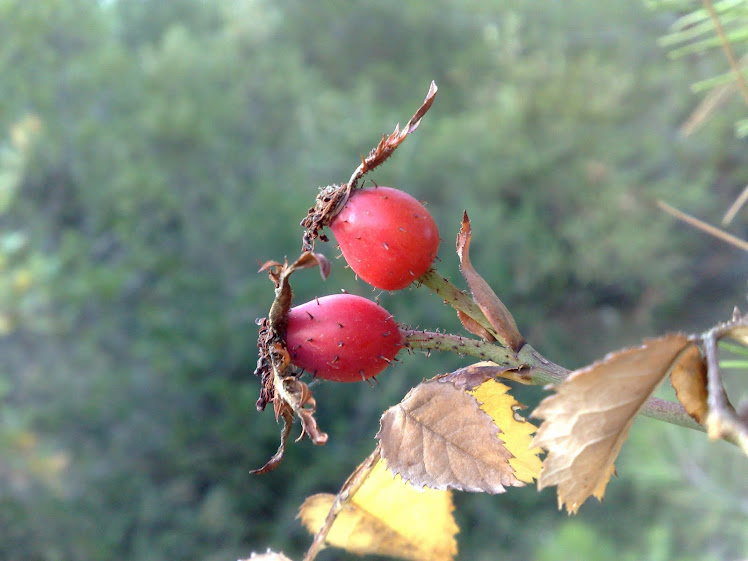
pixel 527 366
pixel 435 341
pixel 350 487
pixel 455 297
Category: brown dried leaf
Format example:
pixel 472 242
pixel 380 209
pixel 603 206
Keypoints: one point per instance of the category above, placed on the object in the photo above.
pixel 309 260
pixel 588 418
pixel 388 516
pixel 438 436
pixel 688 378
pixel 277 458
pixel 492 307
pixel 470 377
pixel 474 327
pixel 305 412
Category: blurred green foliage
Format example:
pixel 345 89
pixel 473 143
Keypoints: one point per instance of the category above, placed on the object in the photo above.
pixel 178 144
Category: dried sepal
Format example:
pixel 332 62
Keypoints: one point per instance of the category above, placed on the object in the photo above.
pixel 390 142
pixel 497 314
pixel 329 202
pixel 277 458
pixel 279 382
pixel 332 199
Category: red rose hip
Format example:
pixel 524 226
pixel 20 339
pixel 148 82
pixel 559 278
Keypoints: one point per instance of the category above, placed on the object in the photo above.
pixel 387 237
pixel 342 337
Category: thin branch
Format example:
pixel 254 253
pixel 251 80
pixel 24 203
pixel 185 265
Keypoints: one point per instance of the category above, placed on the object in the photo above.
pixel 704 227
pixel 728 49
pixel 722 421
pixel 706 107
pixel 350 487
pixel 428 341
pixel 735 207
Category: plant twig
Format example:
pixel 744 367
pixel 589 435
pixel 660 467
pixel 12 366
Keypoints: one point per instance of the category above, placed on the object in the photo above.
pixel 428 341
pixel 727 48
pixel 735 207
pixel 722 420
pixel 716 97
pixel 704 227
pixel 350 487
pixel 528 366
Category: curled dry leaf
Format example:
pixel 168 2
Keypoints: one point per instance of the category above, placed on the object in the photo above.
pixel 470 377
pixel 388 516
pixel 331 199
pixel 277 458
pixel 279 382
pixel 445 437
pixel 688 378
pixel 588 418
pixel 474 327
pixel 493 308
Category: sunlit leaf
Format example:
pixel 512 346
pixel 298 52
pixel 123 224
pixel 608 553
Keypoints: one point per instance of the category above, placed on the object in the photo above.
pixel 688 378
pixel 588 418
pixel 388 516
pixel 516 431
pixel 439 436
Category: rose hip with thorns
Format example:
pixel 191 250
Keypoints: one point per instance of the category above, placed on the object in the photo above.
pixel 342 337
pixel 387 236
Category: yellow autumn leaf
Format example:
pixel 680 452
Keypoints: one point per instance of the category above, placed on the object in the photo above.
pixel 516 432
pixel 388 516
